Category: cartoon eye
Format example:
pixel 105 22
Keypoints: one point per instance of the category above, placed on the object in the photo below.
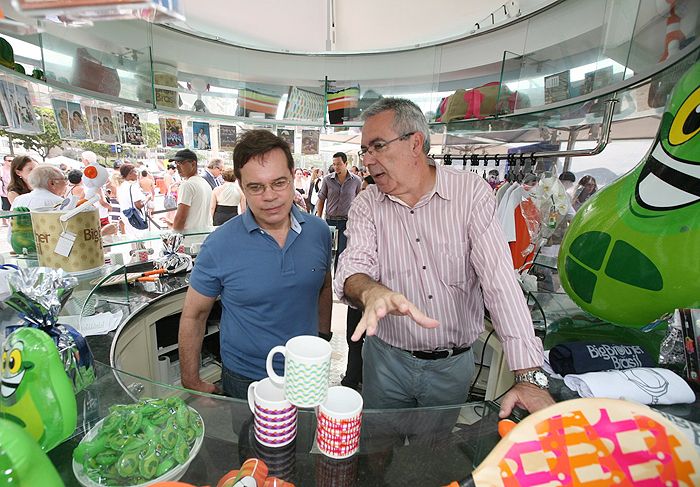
pixel 15 361
pixel 686 124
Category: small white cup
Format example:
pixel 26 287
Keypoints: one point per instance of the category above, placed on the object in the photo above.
pixel 307 368
pixel 338 423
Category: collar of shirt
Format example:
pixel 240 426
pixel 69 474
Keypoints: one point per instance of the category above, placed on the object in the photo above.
pixel 440 188
pixel 296 219
pixel 334 175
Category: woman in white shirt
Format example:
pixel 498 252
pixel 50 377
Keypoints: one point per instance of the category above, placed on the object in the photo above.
pixel 226 199
pixel 129 191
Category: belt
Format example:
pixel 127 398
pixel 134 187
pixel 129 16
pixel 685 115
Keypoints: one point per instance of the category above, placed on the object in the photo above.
pixel 337 217
pixel 439 354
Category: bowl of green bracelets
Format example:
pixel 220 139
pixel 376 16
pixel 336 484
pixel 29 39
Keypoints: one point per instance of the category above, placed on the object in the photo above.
pixel 153 440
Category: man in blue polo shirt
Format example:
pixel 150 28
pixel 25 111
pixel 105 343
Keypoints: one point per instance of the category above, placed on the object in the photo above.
pixel 271 267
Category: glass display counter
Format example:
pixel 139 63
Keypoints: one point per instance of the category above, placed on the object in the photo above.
pixel 428 446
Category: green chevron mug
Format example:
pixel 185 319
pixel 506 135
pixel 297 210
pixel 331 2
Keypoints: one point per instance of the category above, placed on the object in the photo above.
pixel 307 366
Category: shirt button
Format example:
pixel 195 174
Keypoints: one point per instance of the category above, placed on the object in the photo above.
pixel 418 240
pixel 430 296
pixel 424 268
pixel 412 212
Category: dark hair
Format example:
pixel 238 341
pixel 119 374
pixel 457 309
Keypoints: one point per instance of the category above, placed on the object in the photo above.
pixel 342 155
pixel 567 176
pixel 125 169
pixel 172 166
pixel 144 173
pixel 256 143
pixel 75 176
pixel 17 184
pixel 117 164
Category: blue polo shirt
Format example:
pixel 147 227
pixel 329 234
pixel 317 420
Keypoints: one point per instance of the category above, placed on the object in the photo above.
pixel 268 294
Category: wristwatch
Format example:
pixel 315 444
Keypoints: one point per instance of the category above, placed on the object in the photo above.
pixel 534 377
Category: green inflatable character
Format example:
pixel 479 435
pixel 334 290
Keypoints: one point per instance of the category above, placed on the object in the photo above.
pixel 22 461
pixel 631 253
pixel 36 391
pixel 22 233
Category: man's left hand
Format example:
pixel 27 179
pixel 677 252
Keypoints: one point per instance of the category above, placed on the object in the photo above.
pixel 525 396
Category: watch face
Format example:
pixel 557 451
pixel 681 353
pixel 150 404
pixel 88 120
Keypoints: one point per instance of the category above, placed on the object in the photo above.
pixel 541 379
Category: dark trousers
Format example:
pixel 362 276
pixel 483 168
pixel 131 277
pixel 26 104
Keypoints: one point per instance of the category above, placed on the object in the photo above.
pixel 235 385
pixel 342 239
pixel 353 372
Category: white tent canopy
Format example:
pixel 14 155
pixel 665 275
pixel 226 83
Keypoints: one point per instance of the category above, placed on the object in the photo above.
pixel 71 163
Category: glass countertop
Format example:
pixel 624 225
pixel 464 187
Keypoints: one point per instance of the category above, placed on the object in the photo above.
pixel 425 446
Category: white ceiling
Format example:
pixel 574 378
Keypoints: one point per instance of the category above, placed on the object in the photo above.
pixel 354 25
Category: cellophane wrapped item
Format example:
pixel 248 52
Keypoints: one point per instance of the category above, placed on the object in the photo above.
pixel 38 295
pixel 173 258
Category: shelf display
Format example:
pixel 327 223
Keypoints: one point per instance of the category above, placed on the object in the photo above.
pixel 343 104
pixel 304 105
pixel 625 255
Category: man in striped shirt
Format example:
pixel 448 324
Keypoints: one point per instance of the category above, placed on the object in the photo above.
pixel 425 252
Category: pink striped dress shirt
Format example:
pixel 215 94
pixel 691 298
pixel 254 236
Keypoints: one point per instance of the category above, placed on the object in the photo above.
pixel 448 256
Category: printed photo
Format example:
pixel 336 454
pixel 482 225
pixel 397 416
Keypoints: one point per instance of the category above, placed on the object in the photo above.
pixel 200 135
pixel 287 135
pixel 100 124
pixel 171 133
pixel 130 128
pixel 69 117
pixel 18 108
pixel 309 141
pixel 227 137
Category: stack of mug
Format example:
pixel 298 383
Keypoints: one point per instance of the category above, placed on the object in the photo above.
pixel 275 399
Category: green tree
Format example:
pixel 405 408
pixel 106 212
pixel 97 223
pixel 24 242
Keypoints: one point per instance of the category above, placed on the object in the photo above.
pixel 151 133
pixel 41 143
pixel 102 150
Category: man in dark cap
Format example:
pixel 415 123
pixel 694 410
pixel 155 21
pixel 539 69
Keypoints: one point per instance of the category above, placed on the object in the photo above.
pixel 193 196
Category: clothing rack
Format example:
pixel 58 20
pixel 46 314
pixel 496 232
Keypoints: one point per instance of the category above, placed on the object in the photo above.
pixel 515 160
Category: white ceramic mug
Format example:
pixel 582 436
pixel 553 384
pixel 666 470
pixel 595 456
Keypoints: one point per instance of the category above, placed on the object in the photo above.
pixel 275 419
pixel 265 398
pixel 307 366
pixel 339 422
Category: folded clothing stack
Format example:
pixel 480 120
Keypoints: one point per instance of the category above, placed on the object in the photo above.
pixel 616 371
pixel 582 357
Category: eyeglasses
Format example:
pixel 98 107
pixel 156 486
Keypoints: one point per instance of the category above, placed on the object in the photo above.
pixel 59 179
pixel 378 147
pixel 180 163
pixel 258 189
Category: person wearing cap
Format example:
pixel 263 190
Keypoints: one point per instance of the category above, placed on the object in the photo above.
pixel 270 265
pixel 193 195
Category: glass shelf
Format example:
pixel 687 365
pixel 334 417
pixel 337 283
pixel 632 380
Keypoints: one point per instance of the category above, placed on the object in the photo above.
pixel 112 241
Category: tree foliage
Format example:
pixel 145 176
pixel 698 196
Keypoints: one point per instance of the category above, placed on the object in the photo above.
pixel 102 150
pixel 41 143
pixel 151 133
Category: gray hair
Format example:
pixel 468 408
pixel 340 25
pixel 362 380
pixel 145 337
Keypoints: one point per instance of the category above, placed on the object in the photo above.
pixel 42 175
pixel 216 163
pixel 407 117
pixel 89 156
